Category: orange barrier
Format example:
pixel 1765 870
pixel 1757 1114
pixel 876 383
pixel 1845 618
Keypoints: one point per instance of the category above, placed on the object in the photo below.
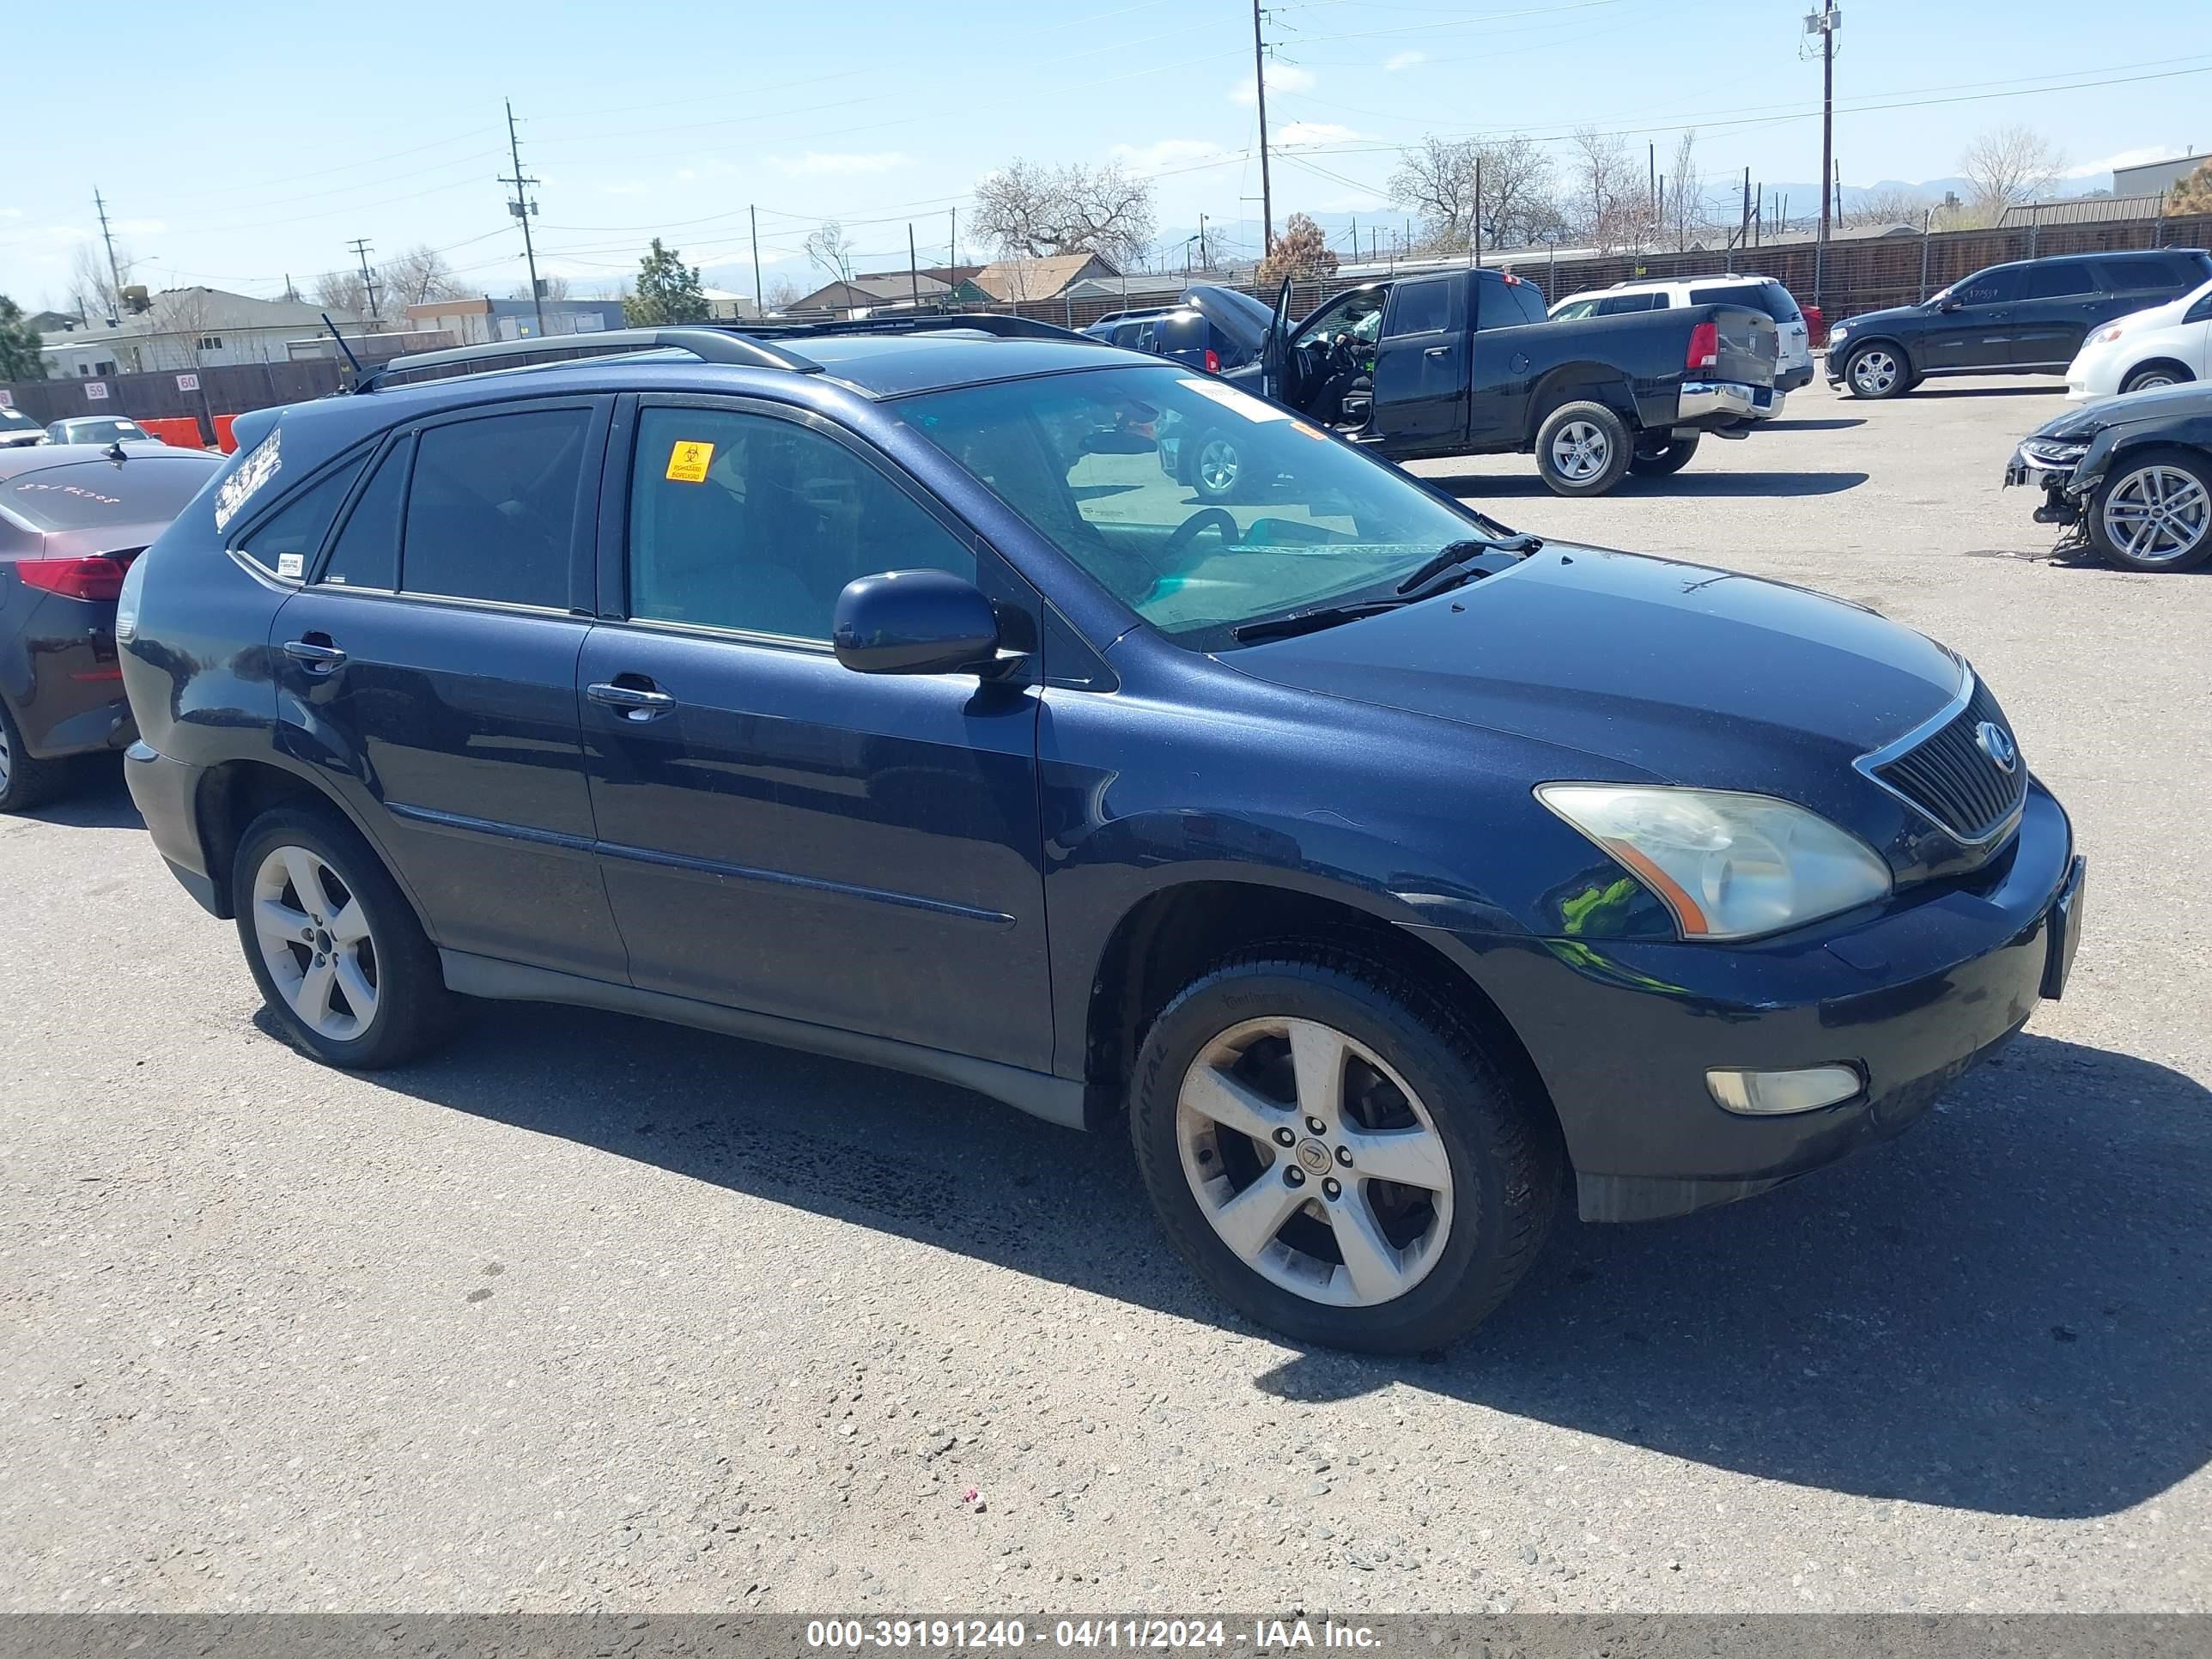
pixel 183 432
pixel 223 438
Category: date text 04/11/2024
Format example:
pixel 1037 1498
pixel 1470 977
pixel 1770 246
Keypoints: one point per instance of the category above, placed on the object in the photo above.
pixel 1263 1635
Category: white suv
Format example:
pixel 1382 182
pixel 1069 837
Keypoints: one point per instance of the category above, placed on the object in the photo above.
pixel 1794 365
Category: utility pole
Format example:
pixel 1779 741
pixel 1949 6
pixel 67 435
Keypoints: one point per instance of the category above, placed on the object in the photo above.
pixel 114 271
pixel 1205 262
pixel 1823 23
pixel 1651 173
pixel 760 305
pixel 359 247
pixel 1260 88
pixel 913 273
pixel 1475 242
pixel 522 207
pixel 1743 234
pixel 952 251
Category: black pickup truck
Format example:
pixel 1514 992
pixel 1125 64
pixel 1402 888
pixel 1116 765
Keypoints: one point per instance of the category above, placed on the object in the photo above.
pixel 1461 362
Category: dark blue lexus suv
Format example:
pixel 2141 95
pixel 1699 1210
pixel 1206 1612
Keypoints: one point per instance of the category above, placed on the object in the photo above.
pixel 872 690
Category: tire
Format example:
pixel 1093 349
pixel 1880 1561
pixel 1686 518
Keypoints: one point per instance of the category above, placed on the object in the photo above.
pixel 1216 468
pixel 2166 494
pixel 1583 449
pixel 25 781
pixel 2150 375
pixel 1661 459
pixel 1878 370
pixel 1449 1254
pixel 410 1007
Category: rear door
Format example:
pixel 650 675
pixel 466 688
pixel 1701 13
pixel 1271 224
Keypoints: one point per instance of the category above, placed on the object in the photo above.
pixel 778 833
pixel 1421 363
pixel 428 673
pixel 1977 332
pixel 2058 302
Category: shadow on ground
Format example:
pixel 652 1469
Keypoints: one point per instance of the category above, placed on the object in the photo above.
pixel 2004 1311
pixel 2046 389
pixel 95 799
pixel 1693 484
pixel 1784 423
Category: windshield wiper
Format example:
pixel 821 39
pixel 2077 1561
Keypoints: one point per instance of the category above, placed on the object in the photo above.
pixel 1454 557
pixel 1309 621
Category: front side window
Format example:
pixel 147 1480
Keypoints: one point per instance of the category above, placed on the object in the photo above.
pixel 1621 305
pixel 491 512
pixel 753 523
pixel 1318 522
pixel 1998 286
pixel 1358 314
pixel 1573 311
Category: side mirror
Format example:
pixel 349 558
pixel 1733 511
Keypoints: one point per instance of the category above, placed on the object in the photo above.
pixel 1952 305
pixel 915 621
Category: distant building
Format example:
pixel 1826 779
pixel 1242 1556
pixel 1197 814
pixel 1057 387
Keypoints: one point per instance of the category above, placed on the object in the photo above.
pixel 875 293
pixel 2155 178
pixel 724 306
pixel 2080 210
pixel 185 328
pixel 479 319
pixel 53 322
pixel 1048 278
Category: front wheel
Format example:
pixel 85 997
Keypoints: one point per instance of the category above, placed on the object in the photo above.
pixel 2153 512
pixel 1877 371
pixel 334 945
pixel 1216 468
pixel 2151 376
pixel 1336 1155
pixel 1583 449
pixel 1669 455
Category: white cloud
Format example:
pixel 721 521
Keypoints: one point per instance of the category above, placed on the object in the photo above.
pixel 818 164
pixel 1313 132
pixel 12 213
pixel 2126 158
pixel 1165 154
pixel 1281 77
pixel 1403 60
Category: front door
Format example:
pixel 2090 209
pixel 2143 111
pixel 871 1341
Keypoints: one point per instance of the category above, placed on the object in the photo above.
pixel 1976 332
pixel 1420 366
pixel 427 671
pixel 776 832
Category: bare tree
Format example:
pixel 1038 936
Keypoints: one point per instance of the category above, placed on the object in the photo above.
pixel 421 274
pixel 1436 179
pixel 1890 204
pixel 1506 182
pixel 1683 202
pixel 828 246
pixel 182 317
pixel 341 290
pixel 2007 166
pixel 1034 211
pixel 782 293
pixel 91 287
pixel 1516 199
pixel 1607 193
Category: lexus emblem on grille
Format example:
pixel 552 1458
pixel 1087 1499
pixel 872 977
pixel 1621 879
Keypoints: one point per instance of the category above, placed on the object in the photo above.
pixel 1997 743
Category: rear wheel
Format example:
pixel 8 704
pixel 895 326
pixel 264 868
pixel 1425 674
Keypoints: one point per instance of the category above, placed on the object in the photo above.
pixel 2153 512
pixel 2153 375
pixel 1583 449
pixel 1656 460
pixel 1216 468
pixel 334 945
pixel 1877 371
pixel 1336 1155
pixel 25 780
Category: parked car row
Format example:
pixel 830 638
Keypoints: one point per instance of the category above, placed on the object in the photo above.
pixel 18 430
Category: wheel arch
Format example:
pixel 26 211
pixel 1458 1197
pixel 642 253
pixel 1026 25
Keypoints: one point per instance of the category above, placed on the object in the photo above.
pixel 1903 351
pixel 1173 934
pixel 2184 375
pixel 233 793
pixel 1574 383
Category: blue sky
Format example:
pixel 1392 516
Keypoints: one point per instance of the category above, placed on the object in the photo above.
pixel 239 142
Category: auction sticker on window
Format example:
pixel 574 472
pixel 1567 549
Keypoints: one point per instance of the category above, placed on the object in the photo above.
pixel 1251 408
pixel 686 462
pixel 252 473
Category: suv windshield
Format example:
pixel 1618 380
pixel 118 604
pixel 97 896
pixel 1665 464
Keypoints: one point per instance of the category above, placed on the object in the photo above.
pixel 1095 461
pixel 86 494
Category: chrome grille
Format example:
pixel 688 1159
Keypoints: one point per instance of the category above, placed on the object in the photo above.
pixel 1951 777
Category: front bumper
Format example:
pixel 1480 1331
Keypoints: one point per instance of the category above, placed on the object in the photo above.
pixel 2065 483
pixel 1622 1033
pixel 1705 404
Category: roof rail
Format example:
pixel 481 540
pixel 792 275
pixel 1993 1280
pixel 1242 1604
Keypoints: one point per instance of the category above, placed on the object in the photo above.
pixel 713 345
pixel 981 322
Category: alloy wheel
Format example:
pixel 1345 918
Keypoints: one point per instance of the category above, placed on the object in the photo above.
pixel 7 758
pixel 316 941
pixel 1217 465
pixel 1873 372
pixel 1315 1162
pixel 1579 451
pixel 2157 514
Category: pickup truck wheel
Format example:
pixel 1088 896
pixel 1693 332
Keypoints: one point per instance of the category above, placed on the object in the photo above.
pixel 1335 1153
pixel 2154 512
pixel 1658 460
pixel 1583 449
pixel 1877 371
pixel 1216 468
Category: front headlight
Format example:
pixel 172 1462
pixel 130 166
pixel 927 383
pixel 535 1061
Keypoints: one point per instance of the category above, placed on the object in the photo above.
pixel 2106 337
pixel 1728 865
pixel 2051 452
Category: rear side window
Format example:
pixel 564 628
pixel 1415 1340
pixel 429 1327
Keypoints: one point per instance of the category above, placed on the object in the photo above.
pixel 1771 298
pixel 1420 308
pixel 288 540
pixel 2166 270
pixel 367 551
pixel 491 511
pixel 2057 281
pixel 1513 302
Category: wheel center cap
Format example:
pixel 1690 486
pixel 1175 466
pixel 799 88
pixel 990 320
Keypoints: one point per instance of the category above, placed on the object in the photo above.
pixel 322 941
pixel 1313 1157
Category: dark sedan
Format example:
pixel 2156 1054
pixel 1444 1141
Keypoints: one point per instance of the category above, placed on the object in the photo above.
pixel 2029 318
pixel 2132 477
pixel 72 518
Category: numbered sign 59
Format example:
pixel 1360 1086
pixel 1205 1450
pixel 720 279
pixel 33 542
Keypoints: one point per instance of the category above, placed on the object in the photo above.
pixel 188 383
pixel 96 389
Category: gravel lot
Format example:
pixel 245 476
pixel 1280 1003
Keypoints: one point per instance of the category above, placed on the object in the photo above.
pixel 594 1313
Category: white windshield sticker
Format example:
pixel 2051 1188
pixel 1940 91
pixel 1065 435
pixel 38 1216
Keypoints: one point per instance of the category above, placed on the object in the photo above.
pixel 1251 408
pixel 256 470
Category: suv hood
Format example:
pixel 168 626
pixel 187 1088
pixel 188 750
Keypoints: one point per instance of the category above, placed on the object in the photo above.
pixel 2165 403
pixel 1695 675
pixel 1887 314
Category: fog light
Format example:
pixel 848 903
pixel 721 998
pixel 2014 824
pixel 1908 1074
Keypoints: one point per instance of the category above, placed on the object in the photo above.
pixel 1769 1094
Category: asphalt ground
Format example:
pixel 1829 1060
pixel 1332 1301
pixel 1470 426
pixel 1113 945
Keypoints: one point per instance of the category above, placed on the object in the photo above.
pixel 593 1313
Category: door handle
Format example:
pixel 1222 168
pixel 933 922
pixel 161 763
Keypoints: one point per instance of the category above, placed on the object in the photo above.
pixel 1437 351
pixel 320 656
pixel 632 702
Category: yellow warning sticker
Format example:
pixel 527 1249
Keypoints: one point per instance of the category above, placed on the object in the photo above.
pixel 686 462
